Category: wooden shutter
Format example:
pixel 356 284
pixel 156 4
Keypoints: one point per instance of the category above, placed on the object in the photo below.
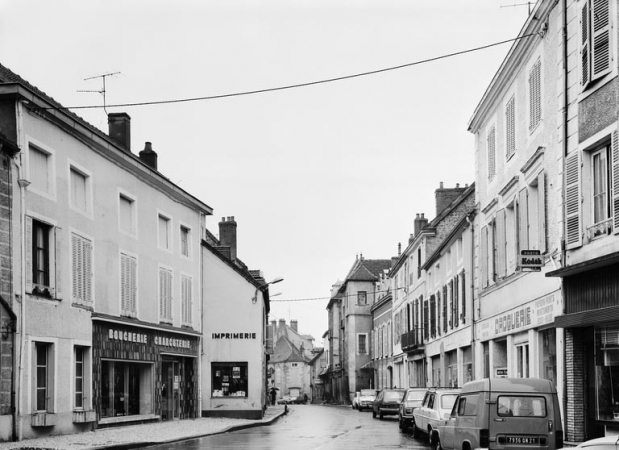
pixel 541 213
pixel 186 299
pixel 615 180
pixel 426 325
pixel 57 288
pixel 492 252
pixel 535 95
pixel 455 301
pixel 600 36
pixel 484 256
pixel 584 44
pixel 572 201
pixel 491 147
pixel 523 219
pixel 28 254
pixel 510 127
pixel 501 237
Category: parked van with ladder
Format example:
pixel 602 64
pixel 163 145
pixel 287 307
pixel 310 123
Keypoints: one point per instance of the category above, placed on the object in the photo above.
pixel 503 413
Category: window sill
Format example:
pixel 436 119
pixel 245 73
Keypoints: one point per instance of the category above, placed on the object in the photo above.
pixel 84 416
pixel 123 419
pixel 43 419
pixel 235 397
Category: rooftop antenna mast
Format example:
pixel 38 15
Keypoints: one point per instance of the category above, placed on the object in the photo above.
pixel 102 91
pixel 520 4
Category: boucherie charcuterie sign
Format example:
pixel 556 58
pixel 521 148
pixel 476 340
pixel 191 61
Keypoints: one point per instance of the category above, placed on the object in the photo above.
pixel 143 338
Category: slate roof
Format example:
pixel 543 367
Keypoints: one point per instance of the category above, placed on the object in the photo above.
pixel 285 351
pixel 366 270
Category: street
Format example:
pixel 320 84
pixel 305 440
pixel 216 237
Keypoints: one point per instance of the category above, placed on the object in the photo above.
pixel 313 427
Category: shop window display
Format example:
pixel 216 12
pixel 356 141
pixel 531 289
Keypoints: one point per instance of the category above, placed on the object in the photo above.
pixel 607 372
pixel 126 388
pixel 229 379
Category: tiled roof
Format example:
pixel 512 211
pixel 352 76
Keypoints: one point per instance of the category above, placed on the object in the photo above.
pixel 368 269
pixel 285 351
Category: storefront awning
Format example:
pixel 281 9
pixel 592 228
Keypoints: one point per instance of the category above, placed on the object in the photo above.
pixel 590 264
pixel 587 318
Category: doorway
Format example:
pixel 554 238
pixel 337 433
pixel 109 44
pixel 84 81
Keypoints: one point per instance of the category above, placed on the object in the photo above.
pixel 170 390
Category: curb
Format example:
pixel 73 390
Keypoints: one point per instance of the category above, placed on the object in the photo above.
pixel 143 444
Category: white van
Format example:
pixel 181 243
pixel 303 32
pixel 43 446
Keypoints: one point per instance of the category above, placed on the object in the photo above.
pixel 503 413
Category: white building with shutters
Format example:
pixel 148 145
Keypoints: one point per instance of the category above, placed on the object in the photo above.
pixel 518 129
pixel 107 276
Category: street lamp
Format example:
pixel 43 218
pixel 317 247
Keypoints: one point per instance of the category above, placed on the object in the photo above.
pixel 255 297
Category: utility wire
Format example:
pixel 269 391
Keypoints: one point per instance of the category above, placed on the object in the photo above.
pixel 327 298
pixel 294 86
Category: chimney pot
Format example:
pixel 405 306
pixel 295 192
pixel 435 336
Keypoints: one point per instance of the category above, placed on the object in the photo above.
pixel 149 156
pixel 227 235
pixel 294 325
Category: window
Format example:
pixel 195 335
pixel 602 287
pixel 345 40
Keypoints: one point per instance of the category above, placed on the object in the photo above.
pixel 510 127
pixel 128 285
pixel 521 406
pixel 185 241
pixel 606 356
pixel 164 232
pixel 80 190
pixel 43 377
pixel 535 95
pixel 81 378
pixel 41 169
pixel 362 344
pixel 186 299
pixel 596 48
pixel 467 405
pixel 548 355
pixel 491 147
pixel 600 185
pixel 362 298
pixel 127 214
pixel 229 379
pixel 165 294
pixel 81 250
pixel 42 258
pixel 126 388
pixel 488 256
pixel 522 361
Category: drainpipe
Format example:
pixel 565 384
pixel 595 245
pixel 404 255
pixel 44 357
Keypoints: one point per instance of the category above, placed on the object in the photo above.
pixel 565 150
pixel 473 349
pixel 19 360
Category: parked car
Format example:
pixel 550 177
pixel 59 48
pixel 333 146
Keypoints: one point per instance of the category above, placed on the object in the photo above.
pixel 355 399
pixel 437 404
pixel 387 402
pixel 285 400
pixel 506 412
pixel 413 397
pixel 603 443
pixel 366 398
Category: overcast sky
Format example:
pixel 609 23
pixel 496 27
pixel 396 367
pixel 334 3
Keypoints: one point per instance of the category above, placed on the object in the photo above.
pixel 314 175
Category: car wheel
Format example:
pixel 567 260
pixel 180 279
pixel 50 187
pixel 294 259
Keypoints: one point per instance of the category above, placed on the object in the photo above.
pixel 400 424
pixel 373 414
pixel 360 408
pixel 380 415
pixel 414 427
pixel 435 442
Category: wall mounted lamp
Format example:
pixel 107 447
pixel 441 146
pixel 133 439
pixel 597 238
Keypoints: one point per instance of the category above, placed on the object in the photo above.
pixel 254 299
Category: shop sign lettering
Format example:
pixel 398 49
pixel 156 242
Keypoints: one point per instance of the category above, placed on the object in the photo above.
pixel 171 342
pixel 233 335
pixel 127 336
pixel 513 320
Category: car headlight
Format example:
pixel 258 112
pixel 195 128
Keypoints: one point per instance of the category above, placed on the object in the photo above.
pixel 409 410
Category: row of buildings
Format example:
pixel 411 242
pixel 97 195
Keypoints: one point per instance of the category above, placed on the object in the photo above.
pixel 518 274
pixel 115 299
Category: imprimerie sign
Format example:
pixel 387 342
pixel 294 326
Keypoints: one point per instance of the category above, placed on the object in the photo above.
pixel 233 335
pixel 531 260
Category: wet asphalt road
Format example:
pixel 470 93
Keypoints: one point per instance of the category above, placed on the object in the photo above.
pixel 312 427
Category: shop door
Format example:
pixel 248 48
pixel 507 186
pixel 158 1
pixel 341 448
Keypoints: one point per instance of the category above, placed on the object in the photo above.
pixel 170 392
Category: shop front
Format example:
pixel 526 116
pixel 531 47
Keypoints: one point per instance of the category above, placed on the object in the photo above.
pixel 143 373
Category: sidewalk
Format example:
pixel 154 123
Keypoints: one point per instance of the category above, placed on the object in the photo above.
pixel 136 436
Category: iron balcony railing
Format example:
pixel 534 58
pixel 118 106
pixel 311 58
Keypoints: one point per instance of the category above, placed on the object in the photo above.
pixel 412 340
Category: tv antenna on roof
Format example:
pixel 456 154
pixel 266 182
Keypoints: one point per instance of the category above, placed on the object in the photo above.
pixel 519 4
pixel 102 91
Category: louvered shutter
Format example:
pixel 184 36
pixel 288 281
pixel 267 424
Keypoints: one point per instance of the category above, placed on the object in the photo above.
pixel 501 254
pixel 541 205
pixel 523 219
pixel 455 302
pixel 572 201
pixel 492 252
pixel 432 316
pixel 58 241
pixel 452 305
pixel 510 127
pixel 426 327
pixel 463 297
pixel 600 45
pixel 28 254
pixel 535 95
pixel 615 180
pixel 491 147
pixel 484 256
pixel 584 44
pixel 161 293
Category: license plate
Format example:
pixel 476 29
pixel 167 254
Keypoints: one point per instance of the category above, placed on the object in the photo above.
pixel 523 440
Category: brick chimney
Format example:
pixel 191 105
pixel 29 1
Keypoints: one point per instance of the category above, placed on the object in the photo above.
pixel 282 324
pixel 227 235
pixel 445 196
pixel 294 325
pixel 420 222
pixel 149 156
pixel 119 126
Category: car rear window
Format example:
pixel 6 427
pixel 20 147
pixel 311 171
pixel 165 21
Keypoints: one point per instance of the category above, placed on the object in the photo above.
pixel 393 396
pixel 448 400
pixel 521 406
pixel 367 392
pixel 415 395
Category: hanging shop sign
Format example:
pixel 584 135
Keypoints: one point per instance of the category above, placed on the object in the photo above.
pixel 530 260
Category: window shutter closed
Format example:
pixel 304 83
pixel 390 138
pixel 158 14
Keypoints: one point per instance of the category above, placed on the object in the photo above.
pixel 615 181
pixel 463 297
pixel 491 153
pixel 510 127
pixel 572 201
pixel 28 254
pixel 600 46
pixel 584 44
pixel 541 205
pixel 535 95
